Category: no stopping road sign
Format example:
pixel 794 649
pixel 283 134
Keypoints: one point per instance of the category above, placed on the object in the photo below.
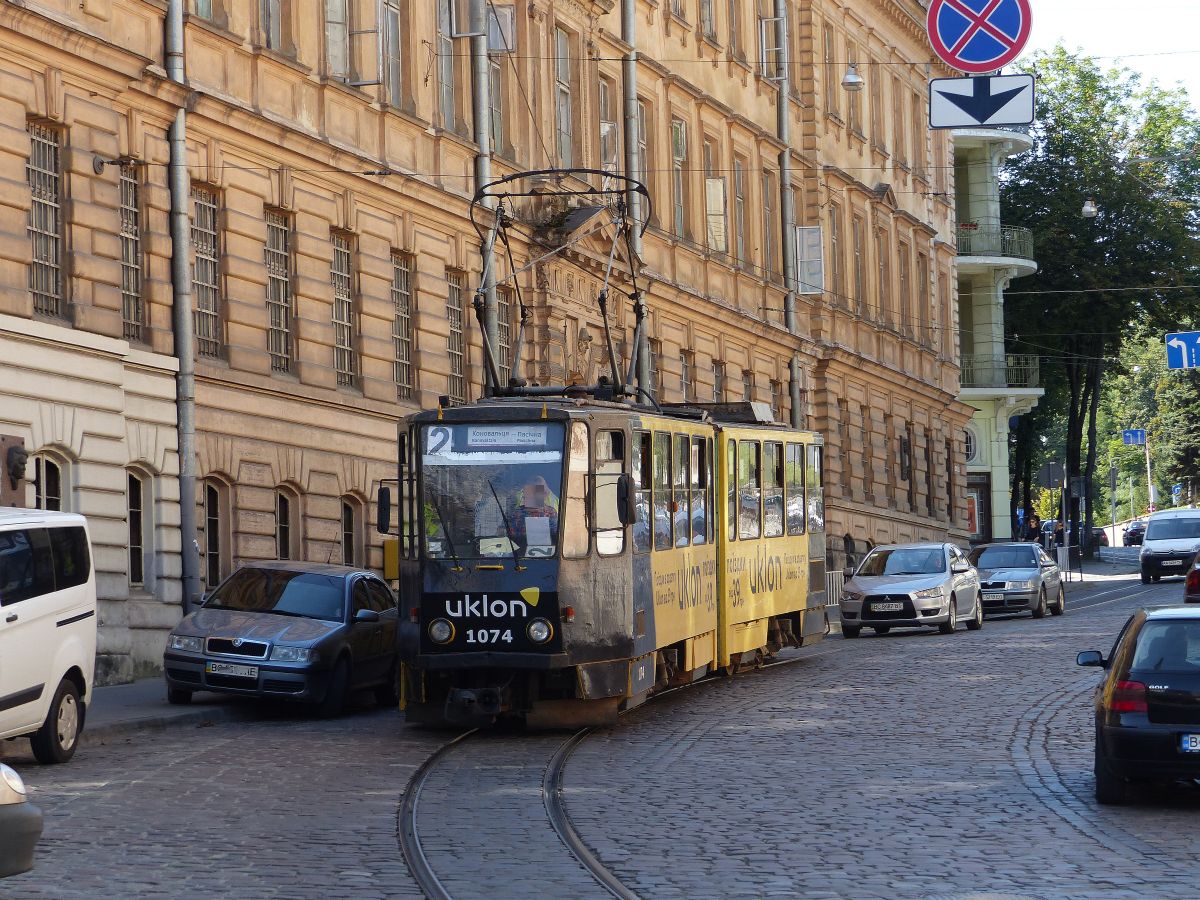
pixel 978 36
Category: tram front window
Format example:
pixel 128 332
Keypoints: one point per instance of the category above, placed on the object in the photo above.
pixel 491 490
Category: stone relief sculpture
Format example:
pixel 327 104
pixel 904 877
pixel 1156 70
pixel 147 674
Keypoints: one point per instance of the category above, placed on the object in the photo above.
pixel 16 460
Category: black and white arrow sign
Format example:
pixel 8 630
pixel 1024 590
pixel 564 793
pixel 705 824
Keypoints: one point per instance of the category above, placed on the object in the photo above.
pixel 985 100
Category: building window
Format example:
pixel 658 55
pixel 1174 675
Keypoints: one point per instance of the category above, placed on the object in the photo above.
pixel 677 8
pixel 769 224
pixel 829 71
pixel 278 257
pixel 402 324
pixel 810 267
pixel 679 177
pixel 716 222
pixel 770 51
pixel 351 529
pixel 214 537
pixel 206 245
pixel 899 138
pixel 47 483
pixel 904 275
pixel 133 308
pixel 643 148
pixel 447 66
pixel 44 174
pixel 685 376
pixel 655 372
pixel 883 255
pixel 454 312
pixel 923 312
pixel 776 401
pixel 971 447
pixel 747 385
pixel 284 525
pixel 341 276
pixel 504 325
pixel 275 32
pixel 204 9
pixel 837 282
pixel 708 21
pixel 496 103
pixel 919 128
pixel 735 27
pixel 855 96
pixel 393 54
pixel 875 81
pixel 951 487
pixel 858 235
pixel 563 111
pixel 337 38
pixel 609 132
pixel 718 382
pixel 739 209
pixel 135 508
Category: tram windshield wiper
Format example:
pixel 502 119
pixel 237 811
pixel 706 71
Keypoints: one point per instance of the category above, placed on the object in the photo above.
pixel 507 528
pixel 446 531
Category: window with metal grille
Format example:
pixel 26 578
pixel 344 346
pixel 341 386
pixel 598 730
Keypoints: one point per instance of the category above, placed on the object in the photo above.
pixel 563 112
pixel 341 275
pixel 454 312
pixel 133 310
pixel 685 376
pixel 718 382
pixel 47 484
pixel 402 324
pixel 44 174
pixel 504 326
pixel 134 501
pixel 278 256
pixel 206 272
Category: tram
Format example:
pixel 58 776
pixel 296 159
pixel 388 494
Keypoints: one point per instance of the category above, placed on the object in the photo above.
pixel 564 559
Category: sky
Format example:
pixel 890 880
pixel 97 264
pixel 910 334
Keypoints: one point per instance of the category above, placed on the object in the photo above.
pixel 1106 29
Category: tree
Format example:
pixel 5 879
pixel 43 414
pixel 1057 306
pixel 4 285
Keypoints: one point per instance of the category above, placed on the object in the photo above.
pixel 1100 136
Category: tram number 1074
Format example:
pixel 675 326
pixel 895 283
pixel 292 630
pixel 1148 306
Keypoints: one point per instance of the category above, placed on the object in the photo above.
pixel 488 636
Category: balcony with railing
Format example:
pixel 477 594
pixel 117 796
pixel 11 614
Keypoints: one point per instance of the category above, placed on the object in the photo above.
pixel 1013 370
pixel 985 239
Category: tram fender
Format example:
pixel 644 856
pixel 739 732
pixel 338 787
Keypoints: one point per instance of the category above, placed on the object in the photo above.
pixel 603 679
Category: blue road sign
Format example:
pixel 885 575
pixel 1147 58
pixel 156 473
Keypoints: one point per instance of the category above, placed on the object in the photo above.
pixel 1183 350
pixel 1133 437
pixel 1176 489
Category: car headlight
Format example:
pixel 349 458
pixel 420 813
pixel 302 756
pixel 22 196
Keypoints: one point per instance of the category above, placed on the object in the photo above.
pixel 186 643
pixel 852 595
pixel 539 631
pixel 1021 585
pixel 441 631
pixel 928 594
pixel 283 653
pixel 12 779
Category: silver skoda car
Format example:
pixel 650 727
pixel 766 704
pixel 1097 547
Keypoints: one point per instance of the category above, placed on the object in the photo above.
pixel 1018 576
pixel 912 586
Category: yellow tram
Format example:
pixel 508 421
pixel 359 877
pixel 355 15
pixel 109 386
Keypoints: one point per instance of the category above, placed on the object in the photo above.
pixel 563 559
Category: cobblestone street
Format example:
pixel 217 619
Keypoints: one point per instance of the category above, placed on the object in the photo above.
pixel 912 765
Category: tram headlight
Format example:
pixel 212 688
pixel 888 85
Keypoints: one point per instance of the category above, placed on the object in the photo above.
pixel 441 631
pixel 539 631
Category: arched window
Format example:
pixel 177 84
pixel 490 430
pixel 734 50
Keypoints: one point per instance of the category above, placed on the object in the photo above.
pixel 217 516
pixel 139 518
pixel 351 532
pixel 50 483
pixel 971 445
pixel 287 529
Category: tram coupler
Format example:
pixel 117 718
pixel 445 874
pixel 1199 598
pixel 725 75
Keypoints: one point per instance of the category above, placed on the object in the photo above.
pixel 473 707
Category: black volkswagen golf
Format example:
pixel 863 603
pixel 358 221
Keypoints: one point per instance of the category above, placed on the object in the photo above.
pixel 1148 704
pixel 288 630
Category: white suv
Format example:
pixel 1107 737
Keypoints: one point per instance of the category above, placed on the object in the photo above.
pixel 47 629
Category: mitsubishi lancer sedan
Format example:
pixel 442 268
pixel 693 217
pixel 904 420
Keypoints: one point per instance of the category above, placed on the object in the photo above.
pixel 1147 706
pixel 912 586
pixel 291 631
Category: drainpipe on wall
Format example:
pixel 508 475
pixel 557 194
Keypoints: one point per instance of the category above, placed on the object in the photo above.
pixel 481 75
pixel 181 313
pixel 633 168
pixel 788 214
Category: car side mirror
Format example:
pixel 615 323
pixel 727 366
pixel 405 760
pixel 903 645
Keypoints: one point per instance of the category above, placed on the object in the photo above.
pixel 960 568
pixel 848 572
pixel 383 510
pixel 1092 658
pixel 625 499
pixel 366 615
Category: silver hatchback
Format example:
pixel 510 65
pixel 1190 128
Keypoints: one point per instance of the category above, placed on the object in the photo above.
pixel 912 586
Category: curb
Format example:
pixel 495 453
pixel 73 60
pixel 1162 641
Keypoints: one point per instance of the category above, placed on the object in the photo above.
pixel 199 718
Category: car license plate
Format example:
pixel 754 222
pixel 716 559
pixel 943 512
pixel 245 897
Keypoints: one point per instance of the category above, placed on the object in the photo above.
pixel 1189 743
pixel 886 607
pixel 1171 562
pixel 993 598
pixel 220 668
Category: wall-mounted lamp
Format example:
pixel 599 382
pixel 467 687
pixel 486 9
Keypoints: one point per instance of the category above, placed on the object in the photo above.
pixel 852 81
pixel 1090 210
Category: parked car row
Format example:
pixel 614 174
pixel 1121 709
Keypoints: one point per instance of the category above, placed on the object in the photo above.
pixel 936 585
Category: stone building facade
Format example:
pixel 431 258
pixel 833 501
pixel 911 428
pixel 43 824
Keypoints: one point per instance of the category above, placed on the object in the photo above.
pixel 331 163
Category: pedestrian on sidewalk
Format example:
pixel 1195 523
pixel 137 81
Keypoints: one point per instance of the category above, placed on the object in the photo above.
pixel 1033 528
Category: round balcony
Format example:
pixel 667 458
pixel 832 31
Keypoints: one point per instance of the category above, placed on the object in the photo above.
pixel 984 247
pixel 1017 137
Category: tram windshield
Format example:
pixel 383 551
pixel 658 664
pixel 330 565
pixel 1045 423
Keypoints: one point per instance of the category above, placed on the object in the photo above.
pixel 491 490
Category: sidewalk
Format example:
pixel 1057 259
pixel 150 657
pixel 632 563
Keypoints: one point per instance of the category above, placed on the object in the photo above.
pixel 120 710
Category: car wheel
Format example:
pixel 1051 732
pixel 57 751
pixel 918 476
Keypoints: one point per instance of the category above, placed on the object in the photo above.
pixel 977 620
pixel 882 629
pixel 1110 790
pixel 951 622
pixel 1157 579
pixel 851 631
pixel 178 696
pixel 1061 606
pixel 388 693
pixel 56 740
pixel 1039 611
pixel 1145 578
pixel 335 694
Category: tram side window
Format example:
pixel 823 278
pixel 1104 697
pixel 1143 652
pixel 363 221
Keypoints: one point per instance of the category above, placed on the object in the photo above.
pixel 699 486
pixel 816 491
pixel 662 491
pixel 610 462
pixel 642 470
pixel 731 488
pixel 681 517
pixel 749 490
pixel 575 519
pixel 795 489
pixel 710 471
pixel 406 503
pixel 772 489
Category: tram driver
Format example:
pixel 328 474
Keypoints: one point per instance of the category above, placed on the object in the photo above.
pixel 533 514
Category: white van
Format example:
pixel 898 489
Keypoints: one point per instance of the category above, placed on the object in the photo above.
pixel 1172 539
pixel 47 629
